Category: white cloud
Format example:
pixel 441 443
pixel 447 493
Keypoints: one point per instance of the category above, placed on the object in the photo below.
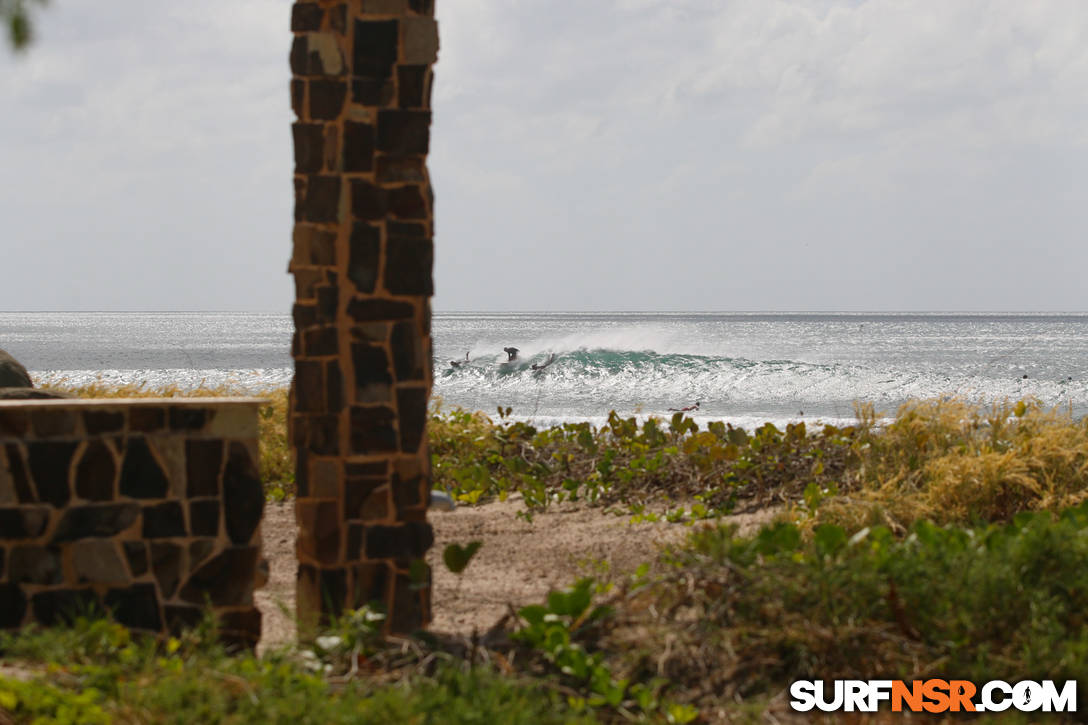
pixel 708 151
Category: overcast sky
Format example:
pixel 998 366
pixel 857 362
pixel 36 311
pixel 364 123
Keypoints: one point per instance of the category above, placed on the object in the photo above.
pixel 586 155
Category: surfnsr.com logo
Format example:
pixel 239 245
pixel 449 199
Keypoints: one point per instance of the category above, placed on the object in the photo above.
pixel 933 696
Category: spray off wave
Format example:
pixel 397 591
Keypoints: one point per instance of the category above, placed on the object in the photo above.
pixel 584 383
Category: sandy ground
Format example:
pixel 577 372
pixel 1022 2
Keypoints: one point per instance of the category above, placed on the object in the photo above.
pixel 518 563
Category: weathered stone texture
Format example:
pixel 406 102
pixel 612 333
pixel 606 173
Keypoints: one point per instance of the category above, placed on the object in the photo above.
pixel 361 91
pixel 144 509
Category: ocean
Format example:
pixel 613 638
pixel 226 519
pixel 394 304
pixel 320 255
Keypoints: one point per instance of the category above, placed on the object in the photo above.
pixel 745 368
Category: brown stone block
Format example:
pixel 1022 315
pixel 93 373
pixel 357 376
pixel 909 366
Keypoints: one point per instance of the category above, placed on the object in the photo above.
pixel 243 496
pixel 313 246
pixel 366 468
pixel 309 386
pixel 334 387
pixel 35 565
pixel 409 540
pixel 368 201
pixel 410 609
pixel 408 202
pixel 226 579
pixel 181 617
pixel 326 58
pixel 319 530
pixel 328 297
pixel 203 467
pixel 384 7
pixel 23 522
pixel 306 281
pixel 407 346
pixel 372 377
pixel 240 629
pixel 309 140
pixel 316 54
pixel 411 230
pixel 96 472
pixel 321 201
pixel 377 310
pixel 332 147
pixel 298 97
pixel 412 86
pixel 373 430
pixel 411 417
pixel 167 565
pixel 96 422
pixel 200 550
pixel 300 198
pixel 204 517
pixel 410 492
pixel 404 132
pixel 321 595
pixel 419 43
pixel 144 419
pixel 136 556
pixel 323 435
pixel 187 419
pixel 14 423
pixel 372 91
pixel 49 466
pixel 142 476
pixel 321 342
pixel 306 17
pixel 303 315
pixel 164 520
pixel 398 169
pixel 358 146
pixel 363 256
pixel 302 467
pixel 338 18
pixel 14 478
pixel 409 266
pixel 300 56
pixel 53 422
pixel 12 606
pixel 358 492
pixel 136 607
pixel 375 48
pixel 372 332
pixel 100 520
pixel 327 97
pixel 370 583
pixel 325 478
pixel 64 606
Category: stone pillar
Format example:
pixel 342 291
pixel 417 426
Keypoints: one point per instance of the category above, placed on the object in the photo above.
pixel 362 263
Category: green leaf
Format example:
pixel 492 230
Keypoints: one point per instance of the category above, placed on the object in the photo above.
pixel 457 557
pixel 829 539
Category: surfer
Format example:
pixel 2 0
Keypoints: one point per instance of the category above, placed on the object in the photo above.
pixel 539 366
pixel 459 363
pixel 511 353
pixel 685 410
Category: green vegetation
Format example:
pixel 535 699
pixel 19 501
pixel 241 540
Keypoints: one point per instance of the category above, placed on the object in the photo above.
pixel 96 672
pixel 742 617
pixel 951 540
pixel 941 460
pixel 16 17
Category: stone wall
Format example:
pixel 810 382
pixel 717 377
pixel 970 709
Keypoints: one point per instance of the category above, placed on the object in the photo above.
pixel 362 264
pixel 146 508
